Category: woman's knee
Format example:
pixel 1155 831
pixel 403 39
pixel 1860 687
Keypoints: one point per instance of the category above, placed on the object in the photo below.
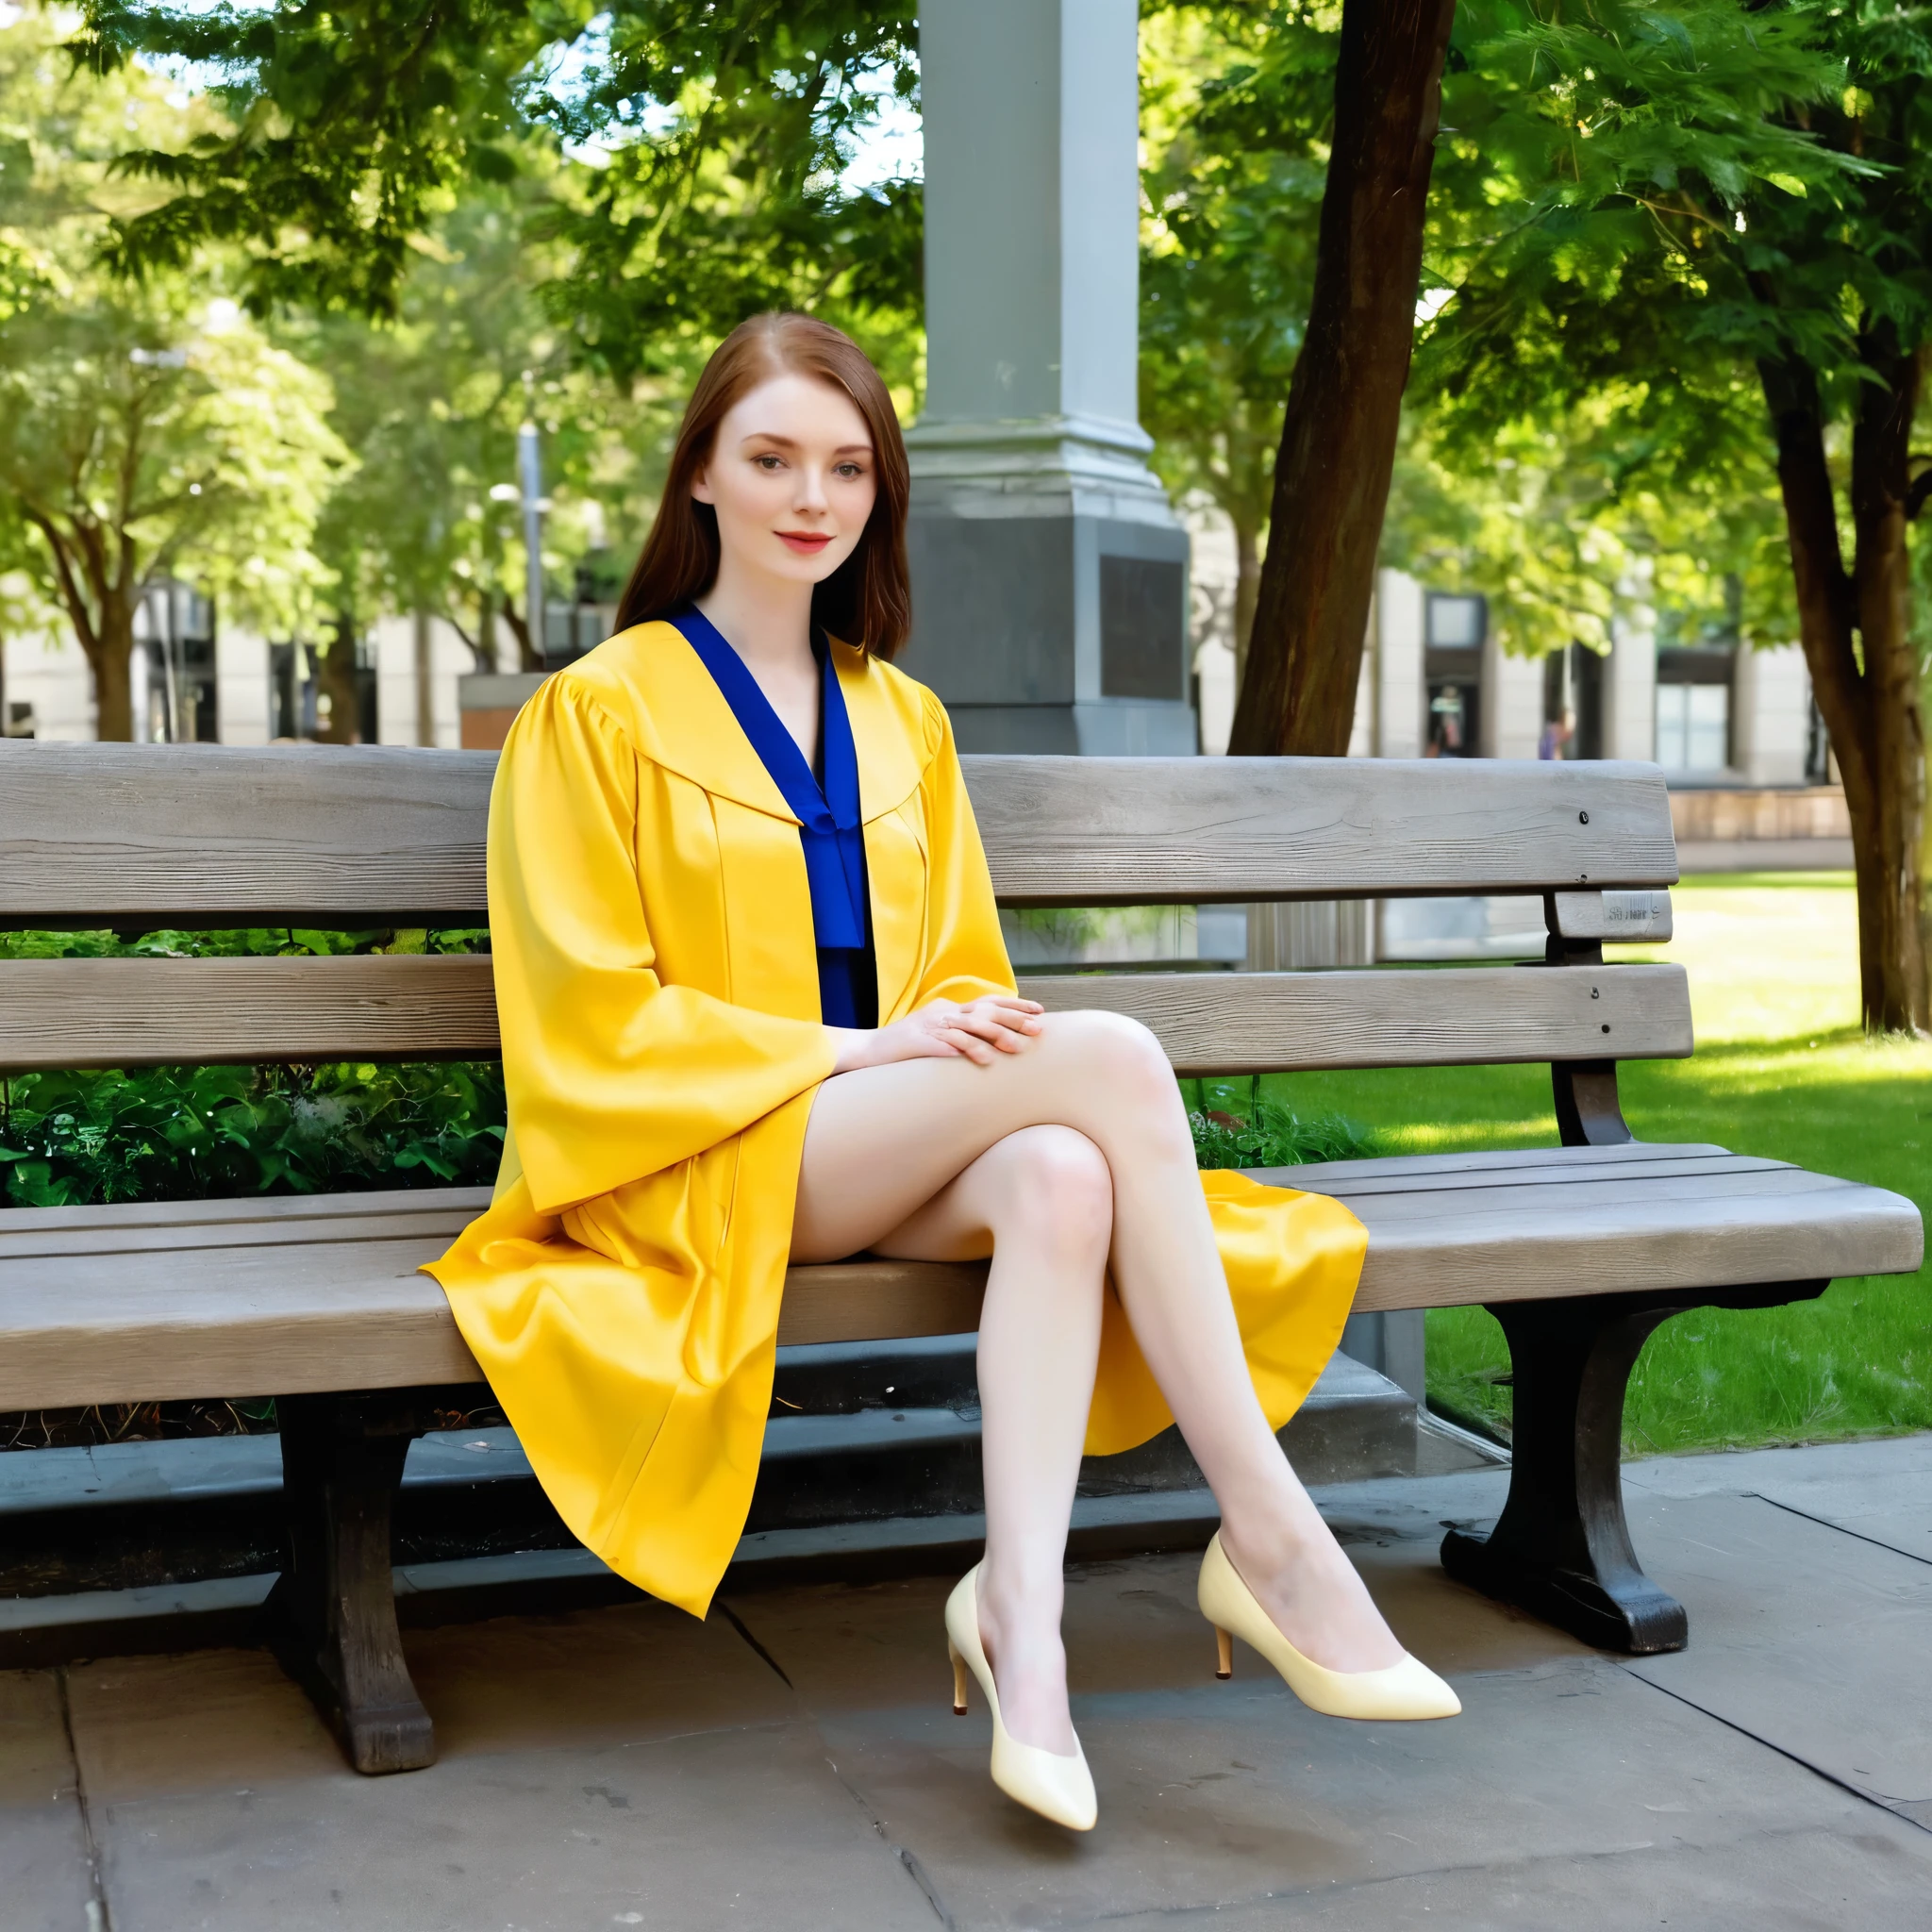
pixel 1119 1054
pixel 1055 1187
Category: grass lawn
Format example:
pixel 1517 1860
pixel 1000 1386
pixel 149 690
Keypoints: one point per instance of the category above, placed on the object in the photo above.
pixel 1780 1070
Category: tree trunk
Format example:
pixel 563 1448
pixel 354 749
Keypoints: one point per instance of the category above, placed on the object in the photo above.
pixel 1344 401
pixel 111 661
pixel 1247 587
pixel 1870 707
pixel 336 676
pixel 528 656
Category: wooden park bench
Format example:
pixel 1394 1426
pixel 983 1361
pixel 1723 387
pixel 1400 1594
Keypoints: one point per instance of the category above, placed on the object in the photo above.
pixel 1580 1250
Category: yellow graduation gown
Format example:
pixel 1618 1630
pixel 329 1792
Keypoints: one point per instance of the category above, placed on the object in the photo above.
pixel 658 991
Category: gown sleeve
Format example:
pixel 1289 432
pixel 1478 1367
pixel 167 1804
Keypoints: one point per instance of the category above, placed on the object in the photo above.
pixel 965 952
pixel 610 1075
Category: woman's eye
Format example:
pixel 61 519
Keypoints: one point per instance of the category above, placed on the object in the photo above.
pixel 769 462
pixel 849 471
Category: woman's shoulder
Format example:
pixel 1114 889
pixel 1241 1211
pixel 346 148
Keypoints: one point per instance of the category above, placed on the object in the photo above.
pixel 917 708
pixel 614 687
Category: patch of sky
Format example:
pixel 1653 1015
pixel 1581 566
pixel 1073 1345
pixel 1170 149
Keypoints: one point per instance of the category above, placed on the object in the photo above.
pixel 889 145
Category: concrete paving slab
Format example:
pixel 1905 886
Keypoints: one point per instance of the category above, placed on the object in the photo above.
pixel 1881 1491
pixel 1213 1794
pixel 45 1885
pixel 1810 1879
pixel 613 1762
pixel 1818 1642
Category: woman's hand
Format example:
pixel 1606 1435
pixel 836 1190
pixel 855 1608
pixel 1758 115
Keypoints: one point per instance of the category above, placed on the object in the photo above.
pixel 944 1030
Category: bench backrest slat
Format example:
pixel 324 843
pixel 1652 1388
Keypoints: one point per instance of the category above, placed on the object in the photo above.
pixel 139 836
pixel 149 1012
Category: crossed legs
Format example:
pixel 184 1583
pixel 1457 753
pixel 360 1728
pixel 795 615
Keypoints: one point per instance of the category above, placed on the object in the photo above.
pixel 1054 1161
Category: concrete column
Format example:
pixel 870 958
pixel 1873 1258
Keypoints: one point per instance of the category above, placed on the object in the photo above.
pixel 1049 571
pixel 1771 719
pixel 1629 694
pixel 1399 687
pixel 243 701
pixel 1512 703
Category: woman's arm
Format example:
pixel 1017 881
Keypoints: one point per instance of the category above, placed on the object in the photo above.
pixel 966 1005
pixel 611 1074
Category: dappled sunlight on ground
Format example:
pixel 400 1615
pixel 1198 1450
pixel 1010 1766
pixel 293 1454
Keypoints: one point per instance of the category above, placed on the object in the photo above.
pixel 1770 956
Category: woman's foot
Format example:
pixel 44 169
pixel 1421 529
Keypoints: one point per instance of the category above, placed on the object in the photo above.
pixel 1312 1594
pixel 1021 1635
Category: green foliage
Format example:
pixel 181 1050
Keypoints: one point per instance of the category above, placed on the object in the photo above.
pixel 1638 206
pixel 198 1133
pixel 431 403
pixel 713 138
pixel 1267 1134
pixel 145 427
pixel 1234 104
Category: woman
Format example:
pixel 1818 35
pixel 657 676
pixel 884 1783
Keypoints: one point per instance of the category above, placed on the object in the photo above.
pixel 754 1005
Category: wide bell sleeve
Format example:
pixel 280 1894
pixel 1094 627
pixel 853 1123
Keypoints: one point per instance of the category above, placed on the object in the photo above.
pixel 965 952
pixel 610 1075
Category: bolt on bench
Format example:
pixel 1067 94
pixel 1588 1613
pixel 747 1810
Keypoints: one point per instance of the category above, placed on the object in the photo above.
pixel 1580 1250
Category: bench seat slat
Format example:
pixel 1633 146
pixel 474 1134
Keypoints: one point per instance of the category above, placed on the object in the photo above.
pixel 208 1320
pixel 378 835
pixel 149 1012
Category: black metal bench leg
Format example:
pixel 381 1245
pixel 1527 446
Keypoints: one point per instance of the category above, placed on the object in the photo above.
pixel 332 1618
pixel 1562 1548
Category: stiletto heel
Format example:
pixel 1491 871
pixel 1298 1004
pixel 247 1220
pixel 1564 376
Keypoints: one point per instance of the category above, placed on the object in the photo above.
pixel 1223 1654
pixel 1408 1690
pixel 1057 1787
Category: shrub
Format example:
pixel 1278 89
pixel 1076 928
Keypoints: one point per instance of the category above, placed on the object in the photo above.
pixel 1267 1134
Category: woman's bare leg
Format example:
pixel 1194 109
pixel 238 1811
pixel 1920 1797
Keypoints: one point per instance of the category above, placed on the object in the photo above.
pixel 884 1142
pixel 1042 1199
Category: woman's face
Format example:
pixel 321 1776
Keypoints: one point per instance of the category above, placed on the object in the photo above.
pixel 792 475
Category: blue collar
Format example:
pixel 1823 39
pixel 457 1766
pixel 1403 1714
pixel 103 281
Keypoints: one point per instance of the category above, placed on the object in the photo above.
pixel 827 816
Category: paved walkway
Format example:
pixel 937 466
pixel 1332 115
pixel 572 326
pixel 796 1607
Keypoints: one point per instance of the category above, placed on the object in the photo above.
pixel 792 1763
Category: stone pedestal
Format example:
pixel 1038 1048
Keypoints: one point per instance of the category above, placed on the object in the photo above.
pixel 1049 571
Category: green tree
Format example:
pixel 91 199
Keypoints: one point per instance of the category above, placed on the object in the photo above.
pixel 431 402
pixel 1345 400
pixel 1227 263
pixel 714 135
pixel 1664 207
pixel 145 429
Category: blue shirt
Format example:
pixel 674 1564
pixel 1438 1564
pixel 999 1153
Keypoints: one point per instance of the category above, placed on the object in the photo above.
pixel 826 810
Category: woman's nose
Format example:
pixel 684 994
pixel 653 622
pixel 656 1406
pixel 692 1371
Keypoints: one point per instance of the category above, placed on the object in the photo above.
pixel 812 489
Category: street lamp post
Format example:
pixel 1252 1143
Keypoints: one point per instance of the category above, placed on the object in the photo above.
pixel 530 475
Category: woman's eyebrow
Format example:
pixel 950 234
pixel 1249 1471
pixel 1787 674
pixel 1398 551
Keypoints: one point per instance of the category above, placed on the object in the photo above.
pixel 788 442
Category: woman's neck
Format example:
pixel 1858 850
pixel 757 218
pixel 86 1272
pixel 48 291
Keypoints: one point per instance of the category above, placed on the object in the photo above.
pixel 767 621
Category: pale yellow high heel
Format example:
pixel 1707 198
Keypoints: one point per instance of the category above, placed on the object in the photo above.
pixel 1057 1787
pixel 1408 1690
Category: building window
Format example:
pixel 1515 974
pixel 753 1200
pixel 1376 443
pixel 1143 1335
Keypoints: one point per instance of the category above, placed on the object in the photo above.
pixel 174 666
pixel 1694 708
pixel 1452 633
pixel 1693 726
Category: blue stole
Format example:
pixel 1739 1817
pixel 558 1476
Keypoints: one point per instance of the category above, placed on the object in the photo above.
pixel 828 821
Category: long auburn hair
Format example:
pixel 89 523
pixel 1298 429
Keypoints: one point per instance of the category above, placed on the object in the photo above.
pixel 866 601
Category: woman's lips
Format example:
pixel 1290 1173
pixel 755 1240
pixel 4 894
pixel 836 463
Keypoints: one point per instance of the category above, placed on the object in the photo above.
pixel 806 542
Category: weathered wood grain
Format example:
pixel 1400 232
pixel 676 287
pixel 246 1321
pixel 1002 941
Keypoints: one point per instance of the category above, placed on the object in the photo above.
pixel 212 836
pixel 208 835
pixel 156 1012
pixel 1073 831
pixel 1240 1023
pixel 300 1310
